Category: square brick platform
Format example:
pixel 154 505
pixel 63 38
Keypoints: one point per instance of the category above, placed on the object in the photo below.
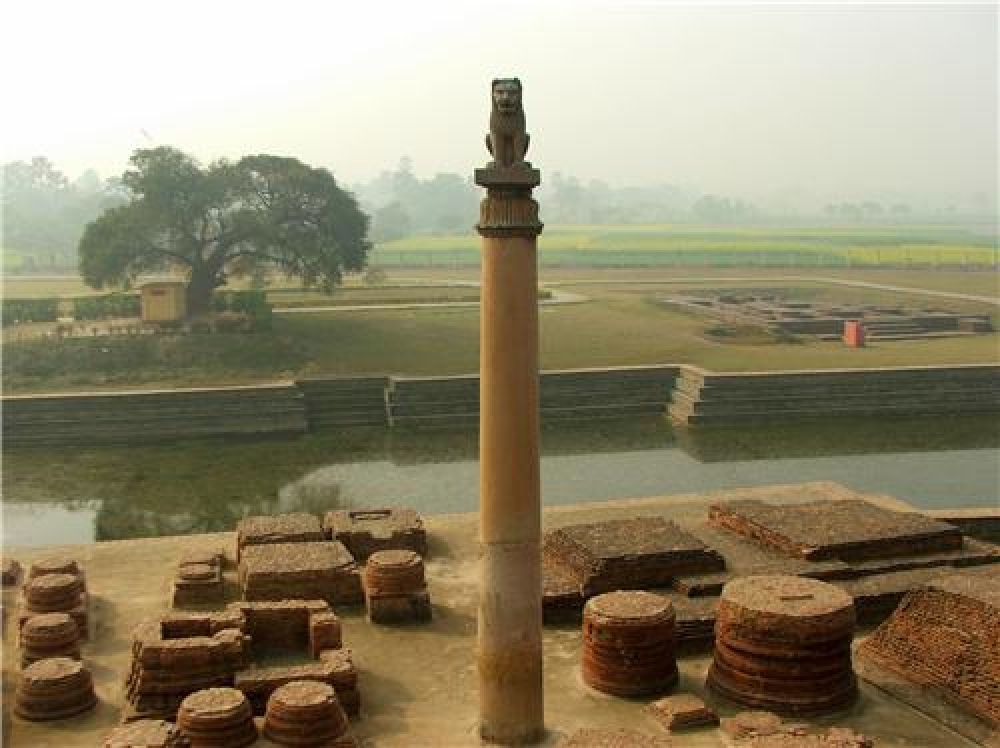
pixel 303 571
pixel 280 528
pixel 628 554
pixel 844 530
pixel 365 531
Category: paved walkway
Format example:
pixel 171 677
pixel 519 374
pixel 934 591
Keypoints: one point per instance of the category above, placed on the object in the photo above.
pixel 558 297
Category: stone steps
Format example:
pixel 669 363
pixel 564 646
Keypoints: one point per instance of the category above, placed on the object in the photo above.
pixel 705 398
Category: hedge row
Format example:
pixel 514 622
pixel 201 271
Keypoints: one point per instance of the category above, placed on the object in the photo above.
pixel 101 307
pixel 254 304
pixel 30 310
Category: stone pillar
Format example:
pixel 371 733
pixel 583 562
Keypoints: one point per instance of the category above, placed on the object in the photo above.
pixel 511 704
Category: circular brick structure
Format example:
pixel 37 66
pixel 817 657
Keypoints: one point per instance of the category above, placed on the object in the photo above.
pixel 217 718
pixel 49 635
pixel 628 644
pixel 55 688
pixel 394 572
pixel 146 733
pixel 50 593
pixel 304 713
pixel 783 644
pixel 54 565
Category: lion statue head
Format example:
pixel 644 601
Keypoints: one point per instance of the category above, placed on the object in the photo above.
pixel 507 95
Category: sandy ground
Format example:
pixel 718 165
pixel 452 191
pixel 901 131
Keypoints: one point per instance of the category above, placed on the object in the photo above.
pixel 418 683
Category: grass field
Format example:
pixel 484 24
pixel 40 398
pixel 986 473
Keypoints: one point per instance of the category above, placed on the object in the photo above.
pixel 663 244
pixel 620 325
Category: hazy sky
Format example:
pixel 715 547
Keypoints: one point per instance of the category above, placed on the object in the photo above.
pixel 754 100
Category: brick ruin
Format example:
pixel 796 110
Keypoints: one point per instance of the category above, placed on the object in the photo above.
pixel 306 570
pixel 626 554
pixel 306 713
pixel 826 320
pixel 395 587
pixel 874 554
pixel 49 635
pixel 180 654
pixel 54 688
pixel 682 711
pixel 843 530
pixel 783 643
pixel 280 528
pixel 55 585
pixel 365 531
pixel 199 580
pixel 628 644
pixel 945 638
pixel 217 718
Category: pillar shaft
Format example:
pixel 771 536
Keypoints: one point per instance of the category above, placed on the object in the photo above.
pixel 510 609
pixel 511 703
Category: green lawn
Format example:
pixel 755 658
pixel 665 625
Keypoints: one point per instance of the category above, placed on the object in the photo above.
pixel 619 326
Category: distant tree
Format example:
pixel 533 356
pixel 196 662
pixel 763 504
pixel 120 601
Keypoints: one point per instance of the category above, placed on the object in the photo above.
pixel 715 209
pixel 225 218
pixel 391 222
pixel 45 214
pixel 871 209
pixel 35 200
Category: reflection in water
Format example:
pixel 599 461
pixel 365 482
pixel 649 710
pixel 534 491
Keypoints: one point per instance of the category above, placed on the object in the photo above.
pixel 208 485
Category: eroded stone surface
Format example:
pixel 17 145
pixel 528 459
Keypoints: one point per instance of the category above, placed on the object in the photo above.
pixel 147 733
pixel 598 738
pixel 845 530
pixel 766 730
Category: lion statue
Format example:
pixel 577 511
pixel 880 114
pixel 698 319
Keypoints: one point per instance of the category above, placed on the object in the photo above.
pixel 507 141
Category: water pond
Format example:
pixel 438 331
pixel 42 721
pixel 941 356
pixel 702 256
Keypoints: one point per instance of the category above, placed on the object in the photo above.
pixel 73 495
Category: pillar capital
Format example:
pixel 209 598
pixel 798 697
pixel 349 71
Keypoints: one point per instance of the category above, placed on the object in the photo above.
pixel 508 208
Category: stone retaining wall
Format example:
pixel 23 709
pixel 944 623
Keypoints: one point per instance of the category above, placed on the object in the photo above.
pixel 690 395
pixel 152 416
pixel 702 397
pixel 565 394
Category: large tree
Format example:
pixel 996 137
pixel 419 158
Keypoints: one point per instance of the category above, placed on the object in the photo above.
pixel 224 219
